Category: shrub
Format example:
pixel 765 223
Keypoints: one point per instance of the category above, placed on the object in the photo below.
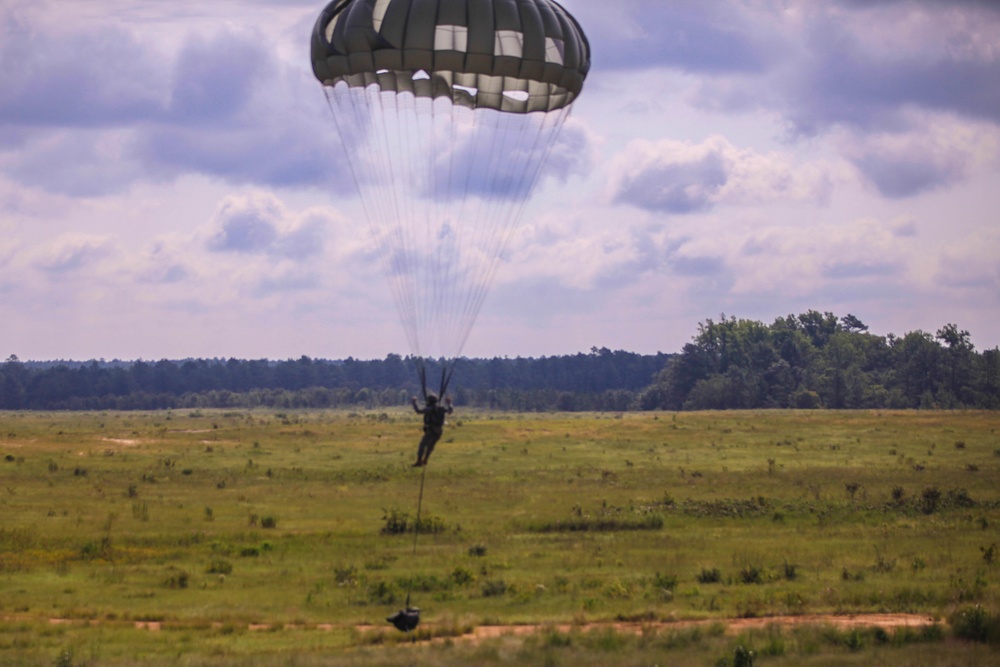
pixel 752 574
pixel 461 576
pixel 976 624
pixel 177 580
pixel 712 576
pixel 269 522
pixel 743 657
pixel 220 566
pixel 960 498
pixel 930 499
pixel 494 588
pixel 394 522
pixel 65 658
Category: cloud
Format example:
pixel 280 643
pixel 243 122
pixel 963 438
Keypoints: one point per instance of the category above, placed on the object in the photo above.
pixel 816 67
pixel 802 260
pixel 487 155
pixel 161 264
pixel 67 78
pixel 940 153
pixel 73 253
pixel 258 223
pixel 215 78
pixel 76 162
pixel 972 262
pixel 860 72
pixel 703 37
pixel 93 109
pixel 679 178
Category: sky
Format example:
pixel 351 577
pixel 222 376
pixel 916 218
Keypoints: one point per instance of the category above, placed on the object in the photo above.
pixel 172 186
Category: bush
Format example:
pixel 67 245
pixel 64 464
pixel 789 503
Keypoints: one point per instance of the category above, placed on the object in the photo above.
pixel 494 588
pixel 667 582
pixel 712 576
pixel 743 657
pixel 929 500
pixel 752 574
pixel 976 624
pixel 177 580
pixel 220 566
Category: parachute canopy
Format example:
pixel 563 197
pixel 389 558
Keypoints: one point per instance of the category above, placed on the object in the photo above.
pixel 447 111
pixel 517 55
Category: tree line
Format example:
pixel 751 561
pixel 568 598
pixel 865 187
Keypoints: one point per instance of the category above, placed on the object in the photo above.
pixel 813 360
pixel 600 380
pixel 817 360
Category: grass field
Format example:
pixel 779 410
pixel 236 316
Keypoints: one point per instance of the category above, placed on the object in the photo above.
pixel 260 538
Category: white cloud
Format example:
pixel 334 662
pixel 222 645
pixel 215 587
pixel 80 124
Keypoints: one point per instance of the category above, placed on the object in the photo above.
pixel 259 223
pixel 936 152
pixel 802 260
pixel 74 253
pixel 675 177
pixel 973 263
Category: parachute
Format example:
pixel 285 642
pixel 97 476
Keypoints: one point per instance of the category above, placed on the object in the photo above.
pixel 447 111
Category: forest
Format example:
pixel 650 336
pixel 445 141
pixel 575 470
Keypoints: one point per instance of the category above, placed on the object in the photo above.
pixel 809 361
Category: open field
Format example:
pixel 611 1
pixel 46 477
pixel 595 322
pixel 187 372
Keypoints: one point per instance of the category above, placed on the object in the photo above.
pixel 261 538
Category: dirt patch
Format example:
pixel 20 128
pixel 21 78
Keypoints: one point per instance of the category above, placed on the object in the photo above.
pixel 483 632
pixel 734 626
pixel 124 442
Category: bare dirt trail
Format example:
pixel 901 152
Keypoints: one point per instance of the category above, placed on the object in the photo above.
pixel 482 632
pixel 733 625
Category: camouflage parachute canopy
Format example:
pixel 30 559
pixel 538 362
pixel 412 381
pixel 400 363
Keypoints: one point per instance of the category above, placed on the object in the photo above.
pixel 510 55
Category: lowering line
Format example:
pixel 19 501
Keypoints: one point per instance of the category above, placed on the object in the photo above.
pixel 408 618
pixel 416 528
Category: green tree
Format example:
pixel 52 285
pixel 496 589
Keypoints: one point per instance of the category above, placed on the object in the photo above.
pixel 959 359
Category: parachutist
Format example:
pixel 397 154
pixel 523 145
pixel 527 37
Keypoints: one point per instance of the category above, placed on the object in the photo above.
pixel 434 415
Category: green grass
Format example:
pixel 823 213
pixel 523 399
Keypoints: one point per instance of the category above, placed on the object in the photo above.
pixel 210 521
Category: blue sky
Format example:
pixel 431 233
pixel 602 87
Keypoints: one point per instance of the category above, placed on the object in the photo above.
pixel 171 184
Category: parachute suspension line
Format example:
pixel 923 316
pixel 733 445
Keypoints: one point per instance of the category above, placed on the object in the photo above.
pixel 550 126
pixel 394 111
pixel 367 113
pixel 423 378
pixel 466 146
pixel 500 218
pixel 446 373
pixel 457 227
pixel 342 134
pixel 489 215
pixel 443 186
pixel 533 137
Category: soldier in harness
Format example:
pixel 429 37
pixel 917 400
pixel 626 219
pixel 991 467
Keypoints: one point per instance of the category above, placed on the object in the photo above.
pixel 434 416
